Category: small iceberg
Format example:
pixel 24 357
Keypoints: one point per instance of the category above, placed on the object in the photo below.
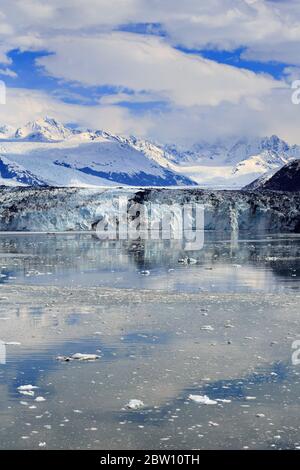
pixel 203 399
pixel 78 357
pixel 207 328
pixel 27 388
pixel 187 260
pixel 135 404
pixel 40 399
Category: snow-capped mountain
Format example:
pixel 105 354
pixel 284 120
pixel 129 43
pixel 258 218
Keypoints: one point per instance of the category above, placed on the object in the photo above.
pixel 232 151
pixel 43 130
pixel 268 155
pixel 6 132
pixel 286 179
pixel 12 172
pixel 259 182
pixel 233 163
pixel 47 152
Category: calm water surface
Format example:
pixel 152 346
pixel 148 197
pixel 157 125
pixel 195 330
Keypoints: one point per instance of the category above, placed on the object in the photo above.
pixel 262 263
pixel 222 327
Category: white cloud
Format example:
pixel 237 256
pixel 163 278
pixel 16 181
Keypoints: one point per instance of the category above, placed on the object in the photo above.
pixel 23 105
pixel 275 115
pixel 225 24
pixel 234 23
pixel 286 52
pixel 8 73
pixel 186 125
pixel 203 98
pixel 147 63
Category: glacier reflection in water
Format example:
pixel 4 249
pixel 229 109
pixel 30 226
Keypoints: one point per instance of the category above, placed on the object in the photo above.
pixel 265 262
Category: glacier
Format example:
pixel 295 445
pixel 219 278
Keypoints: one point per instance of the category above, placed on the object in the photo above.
pixel 74 209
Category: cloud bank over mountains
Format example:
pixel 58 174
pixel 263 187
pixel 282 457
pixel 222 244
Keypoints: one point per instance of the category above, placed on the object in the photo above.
pixel 169 70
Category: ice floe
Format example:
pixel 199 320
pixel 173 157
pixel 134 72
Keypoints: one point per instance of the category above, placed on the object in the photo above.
pixel 135 404
pixel 27 387
pixel 78 357
pixel 207 328
pixel 203 399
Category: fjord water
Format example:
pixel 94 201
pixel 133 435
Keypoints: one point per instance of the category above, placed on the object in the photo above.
pixel 261 262
pixel 166 324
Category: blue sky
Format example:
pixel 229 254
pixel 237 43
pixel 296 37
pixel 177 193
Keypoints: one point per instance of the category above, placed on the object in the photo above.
pixel 171 71
pixel 30 75
pixel 235 58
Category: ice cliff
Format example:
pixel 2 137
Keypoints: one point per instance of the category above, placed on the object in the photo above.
pixel 70 209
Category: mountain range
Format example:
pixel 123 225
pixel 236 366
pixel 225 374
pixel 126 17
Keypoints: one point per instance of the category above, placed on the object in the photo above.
pixel 286 179
pixel 48 153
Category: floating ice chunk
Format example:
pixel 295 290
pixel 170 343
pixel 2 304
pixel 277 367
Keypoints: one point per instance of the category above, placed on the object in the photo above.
pixel 223 400
pixel 78 357
pixel 260 415
pixel 42 444
pixel 64 358
pixel 203 399
pixel 207 328
pixel 187 260
pixel 27 387
pixel 40 399
pixel 135 404
pixel 85 357
pixel 29 393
